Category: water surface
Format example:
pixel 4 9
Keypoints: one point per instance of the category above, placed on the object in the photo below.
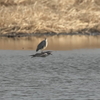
pixel 64 75
pixel 54 42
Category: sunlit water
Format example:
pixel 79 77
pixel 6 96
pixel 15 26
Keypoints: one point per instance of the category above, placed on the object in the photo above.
pixel 54 42
pixel 63 75
pixel 71 72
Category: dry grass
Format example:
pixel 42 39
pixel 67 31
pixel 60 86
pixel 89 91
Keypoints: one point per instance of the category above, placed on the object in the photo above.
pixel 41 16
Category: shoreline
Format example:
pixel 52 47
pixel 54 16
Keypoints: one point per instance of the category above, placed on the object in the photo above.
pixel 14 34
pixel 21 18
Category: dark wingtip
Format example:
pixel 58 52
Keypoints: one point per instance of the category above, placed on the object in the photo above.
pixel 36 50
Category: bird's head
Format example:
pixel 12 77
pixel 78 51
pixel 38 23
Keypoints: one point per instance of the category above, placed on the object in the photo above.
pixel 45 38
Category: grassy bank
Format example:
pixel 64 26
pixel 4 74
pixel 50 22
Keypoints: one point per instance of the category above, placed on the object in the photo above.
pixel 54 16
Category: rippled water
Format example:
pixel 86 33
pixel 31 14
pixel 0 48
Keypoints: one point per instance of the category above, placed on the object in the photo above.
pixel 63 75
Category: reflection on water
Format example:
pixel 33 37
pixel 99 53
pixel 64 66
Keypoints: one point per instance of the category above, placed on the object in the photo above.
pixel 54 42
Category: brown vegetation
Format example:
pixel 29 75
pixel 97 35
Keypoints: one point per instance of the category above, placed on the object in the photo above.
pixel 42 16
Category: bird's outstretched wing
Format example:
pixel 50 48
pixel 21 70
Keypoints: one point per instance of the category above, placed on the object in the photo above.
pixel 41 45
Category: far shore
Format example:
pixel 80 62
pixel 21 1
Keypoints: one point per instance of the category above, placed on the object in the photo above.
pixel 83 32
pixel 20 18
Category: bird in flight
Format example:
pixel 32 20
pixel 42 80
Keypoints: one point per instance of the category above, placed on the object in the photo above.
pixel 42 45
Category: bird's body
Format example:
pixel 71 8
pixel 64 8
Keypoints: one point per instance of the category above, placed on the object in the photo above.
pixel 42 45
